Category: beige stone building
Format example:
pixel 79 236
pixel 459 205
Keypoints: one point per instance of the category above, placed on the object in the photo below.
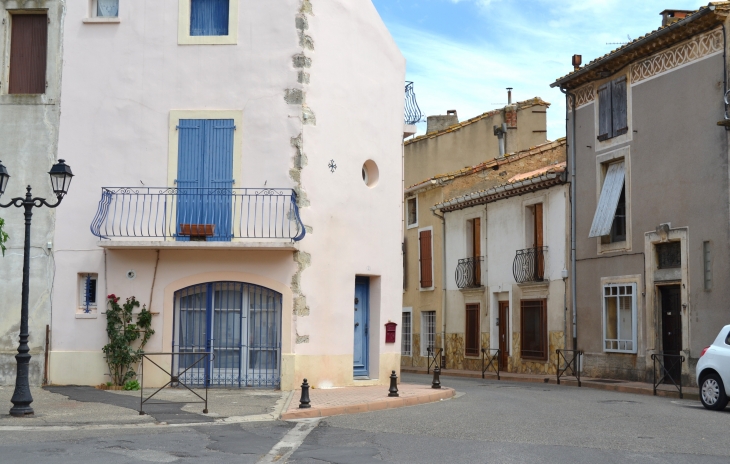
pixel 432 162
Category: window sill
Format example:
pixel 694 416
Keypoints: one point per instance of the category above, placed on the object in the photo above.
pixel 613 247
pixel 101 20
pixel 412 226
pixel 91 315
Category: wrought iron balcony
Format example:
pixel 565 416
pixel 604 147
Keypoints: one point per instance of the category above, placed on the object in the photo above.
pixel 413 113
pixel 198 214
pixel 469 272
pixel 529 265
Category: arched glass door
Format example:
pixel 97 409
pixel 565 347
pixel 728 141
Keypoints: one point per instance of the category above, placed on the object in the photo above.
pixel 239 323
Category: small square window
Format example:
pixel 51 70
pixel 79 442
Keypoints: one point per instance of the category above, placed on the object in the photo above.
pixel 106 8
pixel 87 284
pixel 412 212
pixel 209 17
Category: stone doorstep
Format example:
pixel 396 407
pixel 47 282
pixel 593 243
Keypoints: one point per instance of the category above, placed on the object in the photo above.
pixel 379 405
pixel 639 388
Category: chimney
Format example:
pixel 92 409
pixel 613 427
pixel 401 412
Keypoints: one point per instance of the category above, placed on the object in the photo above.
pixel 501 132
pixel 577 61
pixel 441 122
pixel 672 16
pixel 509 95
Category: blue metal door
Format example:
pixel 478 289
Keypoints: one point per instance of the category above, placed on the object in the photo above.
pixel 205 178
pixel 239 323
pixel 362 321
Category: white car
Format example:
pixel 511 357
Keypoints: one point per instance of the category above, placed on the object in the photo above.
pixel 713 372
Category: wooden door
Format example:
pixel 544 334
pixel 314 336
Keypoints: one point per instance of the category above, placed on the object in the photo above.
pixel 539 243
pixel 503 334
pixel 671 329
pixel 476 224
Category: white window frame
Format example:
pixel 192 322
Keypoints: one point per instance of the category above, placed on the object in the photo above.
pixel 409 336
pixel 415 224
pixel 183 32
pixel 602 162
pixel 93 307
pixel 634 315
pixel 93 18
pixel 433 258
pixel 424 338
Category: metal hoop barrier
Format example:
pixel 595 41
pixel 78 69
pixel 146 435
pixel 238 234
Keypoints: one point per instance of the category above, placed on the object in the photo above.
pixel 173 379
pixel 493 361
pixel 668 362
pixel 433 357
pixel 572 365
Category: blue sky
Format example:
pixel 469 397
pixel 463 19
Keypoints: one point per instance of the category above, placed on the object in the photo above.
pixel 463 54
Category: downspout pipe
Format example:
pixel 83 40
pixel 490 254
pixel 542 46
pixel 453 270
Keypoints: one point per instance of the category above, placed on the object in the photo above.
pixel 443 279
pixel 570 100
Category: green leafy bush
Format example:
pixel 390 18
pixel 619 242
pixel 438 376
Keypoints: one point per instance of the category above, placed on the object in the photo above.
pixel 121 355
pixel 131 385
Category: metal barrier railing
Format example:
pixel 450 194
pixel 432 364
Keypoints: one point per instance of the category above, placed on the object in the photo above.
pixel 198 214
pixel 174 379
pixel 667 364
pixel 572 365
pixel 434 355
pixel 469 272
pixel 493 361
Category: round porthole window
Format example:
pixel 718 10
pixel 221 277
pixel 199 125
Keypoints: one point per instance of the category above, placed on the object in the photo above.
pixel 370 173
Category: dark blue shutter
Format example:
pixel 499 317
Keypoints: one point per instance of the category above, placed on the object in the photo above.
pixel 190 182
pixel 208 17
pixel 219 175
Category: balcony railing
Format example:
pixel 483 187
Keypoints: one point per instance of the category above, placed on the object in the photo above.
pixel 198 214
pixel 529 265
pixel 469 272
pixel 413 113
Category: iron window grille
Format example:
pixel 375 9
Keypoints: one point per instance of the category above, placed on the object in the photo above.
pixel 469 272
pixel 406 334
pixel 529 265
pixel 88 287
pixel 669 255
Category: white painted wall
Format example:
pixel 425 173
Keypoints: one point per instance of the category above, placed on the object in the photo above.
pixel 122 80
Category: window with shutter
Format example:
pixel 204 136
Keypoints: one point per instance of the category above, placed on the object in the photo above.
pixel 604 112
pixel 426 259
pixel 28 49
pixel 471 338
pixel 618 107
pixel 608 203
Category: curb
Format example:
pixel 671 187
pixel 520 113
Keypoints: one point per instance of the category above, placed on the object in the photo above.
pixel 386 403
pixel 567 382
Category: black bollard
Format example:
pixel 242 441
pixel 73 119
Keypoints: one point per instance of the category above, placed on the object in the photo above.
pixel 393 392
pixel 436 382
pixel 304 401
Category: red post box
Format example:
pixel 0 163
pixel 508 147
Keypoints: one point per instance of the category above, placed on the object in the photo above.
pixel 390 332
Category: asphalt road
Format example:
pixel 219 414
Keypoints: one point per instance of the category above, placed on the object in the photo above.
pixel 489 421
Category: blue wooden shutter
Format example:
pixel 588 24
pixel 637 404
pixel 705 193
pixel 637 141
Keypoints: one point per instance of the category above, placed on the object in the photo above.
pixel 190 168
pixel 219 175
pixel 209 17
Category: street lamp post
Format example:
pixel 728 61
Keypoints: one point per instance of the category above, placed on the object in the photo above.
pixel 60 180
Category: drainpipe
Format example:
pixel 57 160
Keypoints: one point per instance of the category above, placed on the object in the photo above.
pixel 570 100
pixel 443 279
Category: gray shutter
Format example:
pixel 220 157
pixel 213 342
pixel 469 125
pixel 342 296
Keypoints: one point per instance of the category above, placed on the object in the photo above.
pixel 619 103
pixel 604 112
pixel 610 194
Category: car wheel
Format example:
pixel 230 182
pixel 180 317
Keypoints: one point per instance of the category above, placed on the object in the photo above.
pixel 712 393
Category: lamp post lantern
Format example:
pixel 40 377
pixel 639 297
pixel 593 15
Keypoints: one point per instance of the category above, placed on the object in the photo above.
pixel 60 181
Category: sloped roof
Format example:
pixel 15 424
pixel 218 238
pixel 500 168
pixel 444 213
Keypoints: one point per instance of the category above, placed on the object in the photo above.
pixel 537 101
pixel 701 20
pixel 517 185
pixel 509 158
